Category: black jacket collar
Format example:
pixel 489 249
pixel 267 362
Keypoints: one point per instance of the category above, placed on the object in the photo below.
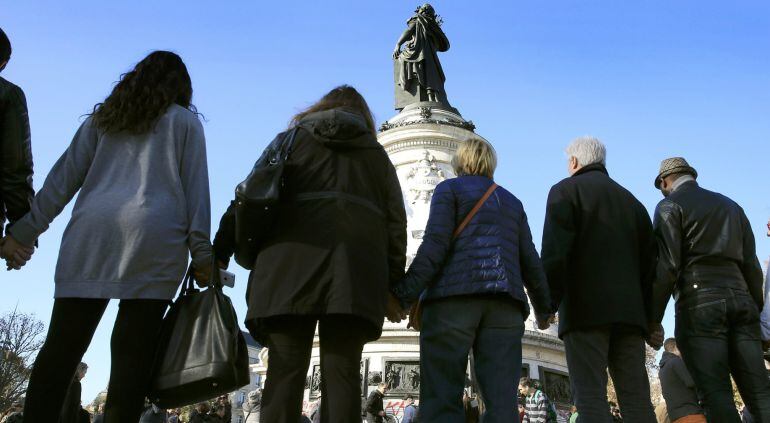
pixel 596 167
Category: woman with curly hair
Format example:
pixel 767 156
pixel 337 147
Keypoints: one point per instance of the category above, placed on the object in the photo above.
pixel 139 165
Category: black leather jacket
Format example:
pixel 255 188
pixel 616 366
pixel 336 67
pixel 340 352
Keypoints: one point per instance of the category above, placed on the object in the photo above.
pixel 16 190
pixel 704 242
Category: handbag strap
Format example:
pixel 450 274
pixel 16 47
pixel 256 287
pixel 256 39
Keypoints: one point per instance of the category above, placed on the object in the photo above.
pixel 287 145
pixel 474 210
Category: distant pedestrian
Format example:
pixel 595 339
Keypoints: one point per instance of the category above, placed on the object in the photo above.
pixel 574 414
pixel 678 388
pixel 661 412
pixel 153 414
pixel 99 414
pixel 537 406
pixel 252 406
pixel 138 166
pixel 70 412
pixel 315 417
pixel 599 257
pixel 746 416
pixel 173 416
pixel 375 408
pixel 320 264
pixel 471 407
pixel 470 274
pixel 410 410
pixel 708 258
pixel 200 413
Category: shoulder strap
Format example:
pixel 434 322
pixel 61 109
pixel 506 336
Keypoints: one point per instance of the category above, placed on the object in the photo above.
pixel 475 210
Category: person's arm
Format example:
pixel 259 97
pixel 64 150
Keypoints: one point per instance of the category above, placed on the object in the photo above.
pixel 648 255
pixel 195 184
pixel 16 189
pixel 681 371
pixel 224 240
pixel 668 233
pixel 559 232
pixel 750 267
pixel 435 246
pixel 63 181
pixel 532 271
pixel 396 221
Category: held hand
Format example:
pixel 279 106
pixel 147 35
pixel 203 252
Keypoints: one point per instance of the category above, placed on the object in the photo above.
pixel 202 276
pixel 15 254
pixel 393 310
pixel 655 339
pixel 396 53
pixel 382 413
pixel 545 322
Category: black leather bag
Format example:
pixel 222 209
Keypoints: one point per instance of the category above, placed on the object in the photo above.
pixel 257 196
pixel 202 352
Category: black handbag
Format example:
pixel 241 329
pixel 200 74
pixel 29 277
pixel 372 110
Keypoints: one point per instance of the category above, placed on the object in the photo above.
pixel 257 196
pixel 202 352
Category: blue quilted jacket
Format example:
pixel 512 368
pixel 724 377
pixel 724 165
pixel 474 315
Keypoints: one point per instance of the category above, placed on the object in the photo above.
pixel 493 255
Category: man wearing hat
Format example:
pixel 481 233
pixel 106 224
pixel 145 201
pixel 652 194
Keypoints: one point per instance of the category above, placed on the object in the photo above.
pixel 707 259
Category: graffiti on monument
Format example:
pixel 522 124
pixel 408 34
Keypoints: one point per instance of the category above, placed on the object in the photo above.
pixel 556 385
pixel 403 377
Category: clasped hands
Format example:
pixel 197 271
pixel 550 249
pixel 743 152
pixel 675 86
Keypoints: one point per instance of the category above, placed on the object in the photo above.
pixel 393 310
pixel 14 253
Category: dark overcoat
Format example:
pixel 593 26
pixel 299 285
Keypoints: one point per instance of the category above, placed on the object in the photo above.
pixel 598 252
pixel 339 241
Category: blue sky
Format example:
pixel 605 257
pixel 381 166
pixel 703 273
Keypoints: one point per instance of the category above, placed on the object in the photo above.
pixel 652 79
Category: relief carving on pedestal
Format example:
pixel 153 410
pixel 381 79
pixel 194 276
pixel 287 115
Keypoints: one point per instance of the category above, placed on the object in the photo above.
pixel 422 179
pixel 402 377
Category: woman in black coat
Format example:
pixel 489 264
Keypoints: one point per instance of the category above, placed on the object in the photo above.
pixel 337 245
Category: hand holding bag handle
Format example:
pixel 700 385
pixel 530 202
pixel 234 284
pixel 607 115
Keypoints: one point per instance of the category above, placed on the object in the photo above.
pixel 415 313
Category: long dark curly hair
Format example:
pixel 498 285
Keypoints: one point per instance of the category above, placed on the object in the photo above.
pixel 144 94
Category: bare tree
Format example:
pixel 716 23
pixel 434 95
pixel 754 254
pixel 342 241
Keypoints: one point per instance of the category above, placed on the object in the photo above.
pixel 20 339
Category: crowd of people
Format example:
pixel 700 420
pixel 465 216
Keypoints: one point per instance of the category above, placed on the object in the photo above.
pixel 334 257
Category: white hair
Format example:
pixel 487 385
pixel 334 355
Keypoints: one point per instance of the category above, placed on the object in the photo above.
pixel 587 150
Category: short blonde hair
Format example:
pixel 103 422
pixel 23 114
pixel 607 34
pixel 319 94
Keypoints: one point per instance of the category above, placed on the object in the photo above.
pixel 475 157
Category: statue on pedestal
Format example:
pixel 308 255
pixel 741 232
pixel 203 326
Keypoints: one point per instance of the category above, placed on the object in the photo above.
pixel 418 73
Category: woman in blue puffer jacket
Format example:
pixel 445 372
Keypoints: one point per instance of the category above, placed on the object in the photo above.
pixel 471 286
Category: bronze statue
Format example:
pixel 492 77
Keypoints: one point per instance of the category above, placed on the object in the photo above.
pixel 418 73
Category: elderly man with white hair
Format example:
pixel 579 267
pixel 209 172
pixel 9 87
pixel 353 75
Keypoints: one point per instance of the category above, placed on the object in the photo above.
pixel 599 258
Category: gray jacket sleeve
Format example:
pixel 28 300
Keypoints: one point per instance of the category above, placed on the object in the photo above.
pixel 195 183
pixel 63 182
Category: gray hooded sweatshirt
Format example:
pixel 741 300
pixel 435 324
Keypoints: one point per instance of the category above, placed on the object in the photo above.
pixel 143 207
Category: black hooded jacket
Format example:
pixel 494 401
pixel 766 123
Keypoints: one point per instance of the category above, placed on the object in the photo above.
pixel 339 241
pixel 678 387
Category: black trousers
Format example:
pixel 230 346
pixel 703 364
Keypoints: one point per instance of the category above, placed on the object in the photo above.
pixel 73 323
pixel 491 326
pixel 290 342
pixel 590 353
pixel 717 331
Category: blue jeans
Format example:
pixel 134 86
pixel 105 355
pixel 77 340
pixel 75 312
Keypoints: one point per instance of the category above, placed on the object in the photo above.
pixel 491 326
pixel 717 331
